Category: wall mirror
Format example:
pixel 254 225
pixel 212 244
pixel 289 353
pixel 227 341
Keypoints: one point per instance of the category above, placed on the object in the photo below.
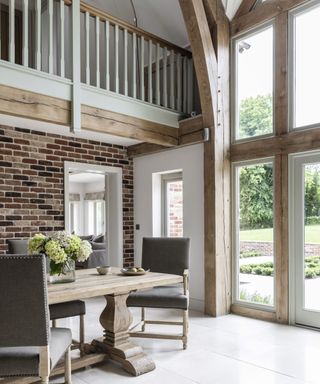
pixel 93 209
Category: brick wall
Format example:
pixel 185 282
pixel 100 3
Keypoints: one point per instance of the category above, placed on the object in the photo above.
pixel 32 177
pixel 176 209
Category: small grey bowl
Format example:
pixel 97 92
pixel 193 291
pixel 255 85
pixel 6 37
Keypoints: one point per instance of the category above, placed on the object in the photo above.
pixel 104 269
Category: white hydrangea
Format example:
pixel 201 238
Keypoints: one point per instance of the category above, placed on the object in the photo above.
pixel 84 251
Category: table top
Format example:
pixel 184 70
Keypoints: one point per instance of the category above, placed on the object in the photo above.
pixel 90 284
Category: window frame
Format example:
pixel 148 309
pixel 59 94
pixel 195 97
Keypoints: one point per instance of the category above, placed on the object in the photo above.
pixel 234 83
pixel 165 179
pixel 292 61
pixel 236 235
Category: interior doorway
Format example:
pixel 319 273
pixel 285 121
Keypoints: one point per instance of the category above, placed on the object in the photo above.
pixel 305 239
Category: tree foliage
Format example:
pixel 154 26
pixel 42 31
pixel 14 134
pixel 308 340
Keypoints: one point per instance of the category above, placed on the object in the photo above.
pixel 312 192
pixel 255 116
pixel 256 197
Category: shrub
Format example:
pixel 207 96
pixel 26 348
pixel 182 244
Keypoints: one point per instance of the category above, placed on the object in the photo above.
pixel 257 270
pixel 245 269
pixel 312 220
pixel 310 273
pixel 267 271
pixel 255 297
pixel 245 254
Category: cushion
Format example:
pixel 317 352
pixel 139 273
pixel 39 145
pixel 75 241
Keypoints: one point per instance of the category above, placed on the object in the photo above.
pixel 88 237
pixel 69 309
pixel 98 245
pixel 98 239
pixel 170 296
pixel 24 361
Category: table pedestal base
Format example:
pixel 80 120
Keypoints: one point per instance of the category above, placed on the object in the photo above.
pixel 116 320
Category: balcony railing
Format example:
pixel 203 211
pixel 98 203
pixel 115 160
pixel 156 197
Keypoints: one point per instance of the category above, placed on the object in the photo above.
pixel 115 57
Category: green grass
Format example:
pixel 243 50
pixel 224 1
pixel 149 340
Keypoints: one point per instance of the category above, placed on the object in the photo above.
pixel 312 234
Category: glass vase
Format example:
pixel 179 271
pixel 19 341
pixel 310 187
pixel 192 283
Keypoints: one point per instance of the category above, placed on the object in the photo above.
pixel 67 275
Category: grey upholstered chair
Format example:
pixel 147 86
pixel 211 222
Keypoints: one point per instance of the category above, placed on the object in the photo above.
pixel 165 255
pixel 27 345
pixel 57 311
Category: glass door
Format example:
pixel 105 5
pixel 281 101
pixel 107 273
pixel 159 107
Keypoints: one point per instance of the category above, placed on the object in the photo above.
pixel 305 235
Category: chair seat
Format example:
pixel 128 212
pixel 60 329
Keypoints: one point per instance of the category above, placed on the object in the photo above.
pixel 24 361
pixel 170 296
pixel 69 309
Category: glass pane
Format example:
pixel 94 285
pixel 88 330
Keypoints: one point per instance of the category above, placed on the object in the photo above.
pixel 255 224
pixel 174 198
pixel 254 109
pixel 100 217
pixel 312 236
pixel 307 64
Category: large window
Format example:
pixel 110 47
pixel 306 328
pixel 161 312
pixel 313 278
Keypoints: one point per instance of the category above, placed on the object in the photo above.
pixel 306 64
pixel 172 196
pixel 253 232
pixel 96 217
pixel 254 73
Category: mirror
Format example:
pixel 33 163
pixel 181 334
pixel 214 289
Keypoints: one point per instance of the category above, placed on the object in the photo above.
pixel 93 210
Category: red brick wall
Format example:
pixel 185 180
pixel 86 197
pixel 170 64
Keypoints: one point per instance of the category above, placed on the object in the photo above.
pixel 176 209
pixel 32 176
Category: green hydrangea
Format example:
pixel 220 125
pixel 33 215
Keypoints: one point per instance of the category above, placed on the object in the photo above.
pixel 37 244
pixel 73 246
pixel 85 251
pixel 55 252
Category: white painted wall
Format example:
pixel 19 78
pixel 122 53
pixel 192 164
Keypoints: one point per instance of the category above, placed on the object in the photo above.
pixel 190 161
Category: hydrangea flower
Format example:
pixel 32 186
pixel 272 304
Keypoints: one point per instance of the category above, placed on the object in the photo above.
pixel 55 252
pixel 84 251
pixel 36 244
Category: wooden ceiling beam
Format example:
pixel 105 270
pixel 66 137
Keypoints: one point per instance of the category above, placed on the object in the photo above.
pixel 213 80
pixel 245 7
pixel 263 13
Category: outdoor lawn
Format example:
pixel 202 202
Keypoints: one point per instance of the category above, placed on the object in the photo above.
pixel 312 234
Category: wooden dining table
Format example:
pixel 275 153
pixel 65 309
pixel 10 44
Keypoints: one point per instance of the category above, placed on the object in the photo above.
pixel 116 318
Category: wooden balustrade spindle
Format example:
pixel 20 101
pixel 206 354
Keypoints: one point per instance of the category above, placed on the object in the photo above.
pixel 172 80
pixel 11 31
pixel 107 30
pixel 158 74
pixel 134 65
pixel 190 86
pixel 179 84
pixel 25 49
pixel 51 36
pixel 142 95
pixel 87 22
pixel 164 77
pixel 62 63
pixel 116 57
pixel 150 90
pixel 125 62
pixel 38 35
pixel 185 83
pixel 97 51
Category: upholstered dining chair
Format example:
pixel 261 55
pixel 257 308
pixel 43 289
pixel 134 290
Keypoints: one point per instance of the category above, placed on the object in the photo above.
pixel 28 347
pixel 165 255
pixel 60 310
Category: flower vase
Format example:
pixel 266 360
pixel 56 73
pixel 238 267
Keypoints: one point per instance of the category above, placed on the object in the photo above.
pixel 67 274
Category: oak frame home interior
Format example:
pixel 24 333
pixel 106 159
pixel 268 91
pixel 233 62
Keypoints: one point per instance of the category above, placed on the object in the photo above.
pixel 160 168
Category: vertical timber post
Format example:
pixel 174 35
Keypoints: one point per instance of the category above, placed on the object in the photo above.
pixel 76 89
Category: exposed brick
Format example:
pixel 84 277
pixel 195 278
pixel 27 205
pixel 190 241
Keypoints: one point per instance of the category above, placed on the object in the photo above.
pixel 31 182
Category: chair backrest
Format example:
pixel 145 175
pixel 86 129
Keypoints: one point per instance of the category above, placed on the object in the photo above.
pixel 166 254
pixel 24 313
pixel 17 246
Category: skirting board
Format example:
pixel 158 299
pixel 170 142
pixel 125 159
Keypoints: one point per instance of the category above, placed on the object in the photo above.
pixel 196 304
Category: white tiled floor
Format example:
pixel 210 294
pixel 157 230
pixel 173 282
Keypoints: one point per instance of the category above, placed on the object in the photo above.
pixel 226 350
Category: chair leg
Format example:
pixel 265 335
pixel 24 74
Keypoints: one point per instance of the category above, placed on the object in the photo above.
pixel 44 380
pixel 185 329
pixel 143 317
pixel 67 367
pixel 54 323
pixel 81 335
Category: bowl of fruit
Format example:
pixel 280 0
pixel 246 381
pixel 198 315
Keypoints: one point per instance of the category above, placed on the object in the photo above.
pixel 135 271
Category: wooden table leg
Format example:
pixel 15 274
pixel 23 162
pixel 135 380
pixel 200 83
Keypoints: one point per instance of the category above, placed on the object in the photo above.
pixel 116 320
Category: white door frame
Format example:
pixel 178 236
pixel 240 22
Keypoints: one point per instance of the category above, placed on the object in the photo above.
pixel 296 239
pixel 114 219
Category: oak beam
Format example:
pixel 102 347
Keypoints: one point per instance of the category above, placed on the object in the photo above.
pixel 292 142
pixel 217 281
pixel 245 7
pixel 264 12
pixel 30 105
pixel 103 121
pixel 144 149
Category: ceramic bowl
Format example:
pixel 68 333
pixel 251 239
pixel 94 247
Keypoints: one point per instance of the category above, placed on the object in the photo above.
pixel 104 270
